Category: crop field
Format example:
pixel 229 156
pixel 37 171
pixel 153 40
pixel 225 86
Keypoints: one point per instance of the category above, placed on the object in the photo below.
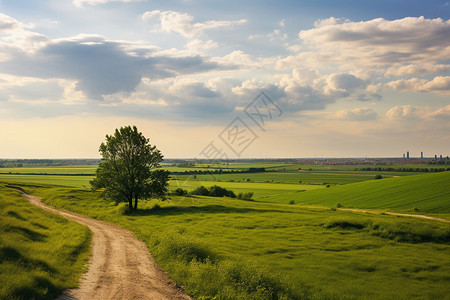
pixel 293 241
pixel 41 254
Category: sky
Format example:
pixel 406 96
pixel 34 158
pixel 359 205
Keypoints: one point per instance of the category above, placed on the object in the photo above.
pixel 226 79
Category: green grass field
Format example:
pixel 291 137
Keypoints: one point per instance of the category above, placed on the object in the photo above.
pixel 221 248
pixel 429 193
pixel 260 190
pixel 231 249
pixel 41 254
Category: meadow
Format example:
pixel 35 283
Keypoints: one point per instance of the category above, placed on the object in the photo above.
pixel 223 248
pixel 41 254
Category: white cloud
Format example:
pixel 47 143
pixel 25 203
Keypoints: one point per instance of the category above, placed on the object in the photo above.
pixel 407 112
pixel 82 3
pixel 420 113
pixel 357 114
pixel 343 84
pixel 182 23
pixel 15 34
pixel 373 44
pixel 439 85
pixel 196 45
pixel 441 113
pixel 416 69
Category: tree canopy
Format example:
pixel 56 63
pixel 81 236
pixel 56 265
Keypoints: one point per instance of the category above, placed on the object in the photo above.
pixel 127 171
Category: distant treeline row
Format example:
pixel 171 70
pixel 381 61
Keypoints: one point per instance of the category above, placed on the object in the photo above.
pixel 403 169
pixel 53 174
pixel 220 171
pixel 19 163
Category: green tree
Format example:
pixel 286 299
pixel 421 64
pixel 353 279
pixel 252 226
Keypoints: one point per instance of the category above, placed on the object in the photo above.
pixel 126 171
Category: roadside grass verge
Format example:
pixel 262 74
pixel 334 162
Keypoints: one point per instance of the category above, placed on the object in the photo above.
pixel 222 248
pixel 41 254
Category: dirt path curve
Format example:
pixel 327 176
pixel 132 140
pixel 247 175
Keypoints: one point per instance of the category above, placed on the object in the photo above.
pixel 121 266
pixel 396 214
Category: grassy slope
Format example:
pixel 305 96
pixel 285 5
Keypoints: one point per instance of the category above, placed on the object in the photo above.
pixel 41 254
pixel 428 193
pixel 253 247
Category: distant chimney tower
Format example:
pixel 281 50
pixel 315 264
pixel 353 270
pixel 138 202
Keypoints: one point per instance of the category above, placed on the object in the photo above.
pixel 407 154
pixel 421 154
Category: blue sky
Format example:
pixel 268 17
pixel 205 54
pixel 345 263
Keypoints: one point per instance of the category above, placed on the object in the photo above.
pixel 344 78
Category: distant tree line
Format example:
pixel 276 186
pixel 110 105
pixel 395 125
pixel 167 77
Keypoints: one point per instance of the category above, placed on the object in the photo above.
pixel 388 169
pixel 19 163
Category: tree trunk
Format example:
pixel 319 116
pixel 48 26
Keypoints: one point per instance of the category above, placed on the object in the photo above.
pixel 130 204
pixel 135 202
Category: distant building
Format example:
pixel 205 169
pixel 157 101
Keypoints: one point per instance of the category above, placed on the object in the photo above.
pixel 421 154
pixel 407 154
pixel 403 155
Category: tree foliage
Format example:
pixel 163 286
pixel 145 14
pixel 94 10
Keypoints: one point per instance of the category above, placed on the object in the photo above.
pixel 126 171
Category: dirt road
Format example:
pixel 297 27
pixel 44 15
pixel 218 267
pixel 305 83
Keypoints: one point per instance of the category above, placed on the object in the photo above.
pixel 121 266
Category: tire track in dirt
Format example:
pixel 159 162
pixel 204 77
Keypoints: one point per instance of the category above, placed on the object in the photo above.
pixel 120 267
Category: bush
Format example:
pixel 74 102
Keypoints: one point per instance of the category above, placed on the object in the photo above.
pixel 180 192
pixel 245 196
pixel 214 191
pixel 378 177
pixel 201 191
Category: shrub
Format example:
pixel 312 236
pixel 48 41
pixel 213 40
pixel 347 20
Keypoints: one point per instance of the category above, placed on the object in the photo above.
pixel 378 176
pixel 245 196
pixel 201 191
pixel 214 191
pixel 180 192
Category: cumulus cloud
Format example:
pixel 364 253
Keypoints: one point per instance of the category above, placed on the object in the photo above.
pixel 100 66
pixel 441 113
pixel 15 34
pixel 419 113
pixel 407 112
pixel 343 84
pixel 196 45
pixel 439 84
pixel 373 44
pixel 182 23
pixel 357 114
pixel 416 69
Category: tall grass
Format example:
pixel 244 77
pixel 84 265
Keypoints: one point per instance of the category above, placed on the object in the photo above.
pixel 41 254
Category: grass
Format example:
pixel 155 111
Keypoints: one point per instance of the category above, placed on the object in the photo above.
pixel 230 249
pixel 278 174
pixel 427 193
pixel 260 190
pixel 41 254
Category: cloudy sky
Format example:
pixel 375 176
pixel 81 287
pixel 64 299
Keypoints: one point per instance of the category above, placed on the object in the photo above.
pixel 230 78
